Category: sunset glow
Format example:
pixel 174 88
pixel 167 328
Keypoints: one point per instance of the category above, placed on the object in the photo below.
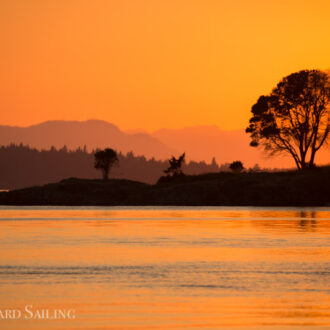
pixel 153 64
pixel 164 164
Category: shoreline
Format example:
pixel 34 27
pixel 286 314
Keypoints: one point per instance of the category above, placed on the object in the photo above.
pixel 252 189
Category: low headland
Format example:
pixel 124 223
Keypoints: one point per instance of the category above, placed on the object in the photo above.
pixel 289 188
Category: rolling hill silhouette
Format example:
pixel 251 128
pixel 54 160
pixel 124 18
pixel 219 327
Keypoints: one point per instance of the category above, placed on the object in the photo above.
pixel 199 142
pixel 205 142
pixel 92 133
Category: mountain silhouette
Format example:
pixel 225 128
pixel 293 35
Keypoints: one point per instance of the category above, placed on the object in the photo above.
pixel 92 133
pixel 206 142
pixel 200 143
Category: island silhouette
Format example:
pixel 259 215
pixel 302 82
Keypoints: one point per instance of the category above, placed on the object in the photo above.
pixel 292 120
pixel 290 188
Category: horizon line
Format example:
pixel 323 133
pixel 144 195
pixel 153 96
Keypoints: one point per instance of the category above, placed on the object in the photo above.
pixel 126 130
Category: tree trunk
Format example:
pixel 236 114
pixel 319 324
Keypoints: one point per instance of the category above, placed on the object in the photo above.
pixel 303 164
pixel 105 173
pixel 311 161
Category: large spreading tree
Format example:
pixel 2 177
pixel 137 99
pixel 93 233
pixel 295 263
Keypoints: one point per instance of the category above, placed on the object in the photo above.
pixel 294 118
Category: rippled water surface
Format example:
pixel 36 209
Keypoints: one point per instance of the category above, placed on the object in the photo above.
pixel 167 268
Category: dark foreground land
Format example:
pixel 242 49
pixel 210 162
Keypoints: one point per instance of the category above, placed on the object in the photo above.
pixel 292 188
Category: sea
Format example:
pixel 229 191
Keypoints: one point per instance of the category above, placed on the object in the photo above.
pixel 164 268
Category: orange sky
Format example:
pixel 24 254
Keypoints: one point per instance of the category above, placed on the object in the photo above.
pixel 151 64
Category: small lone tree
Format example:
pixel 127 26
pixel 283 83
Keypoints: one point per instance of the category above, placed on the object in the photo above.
pixel 104 160
pixel 294 118
pixel 175 166
pixel 236 166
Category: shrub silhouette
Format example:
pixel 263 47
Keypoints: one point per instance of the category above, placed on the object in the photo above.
pixel 175 168
pixel 236 166
pixel 104 160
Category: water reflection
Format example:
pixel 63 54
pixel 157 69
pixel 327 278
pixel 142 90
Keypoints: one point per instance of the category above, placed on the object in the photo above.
pixel 170 213
pixel 167 268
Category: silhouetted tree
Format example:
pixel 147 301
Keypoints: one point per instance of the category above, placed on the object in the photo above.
pixel 236 166
pixel 294 118
pixel 175 166
pixel 104 160
pixel 214 165
pixel 64 149
pixel 256 168
pixel 55 165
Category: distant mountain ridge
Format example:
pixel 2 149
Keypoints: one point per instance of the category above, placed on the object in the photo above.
pixel 205 142
pixel 199 142
pixel 92 133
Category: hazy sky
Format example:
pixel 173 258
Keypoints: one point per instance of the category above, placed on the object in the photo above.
pixel 153 64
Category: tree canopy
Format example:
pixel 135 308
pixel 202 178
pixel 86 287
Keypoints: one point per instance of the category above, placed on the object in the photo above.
pixel 104 160
pixel 236 166
pixel 294 118
pixel 175 167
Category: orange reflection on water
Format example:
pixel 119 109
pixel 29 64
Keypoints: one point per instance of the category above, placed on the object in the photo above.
pixel 164 213
pixel 167 269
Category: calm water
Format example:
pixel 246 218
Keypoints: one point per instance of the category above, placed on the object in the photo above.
pixel 167 268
